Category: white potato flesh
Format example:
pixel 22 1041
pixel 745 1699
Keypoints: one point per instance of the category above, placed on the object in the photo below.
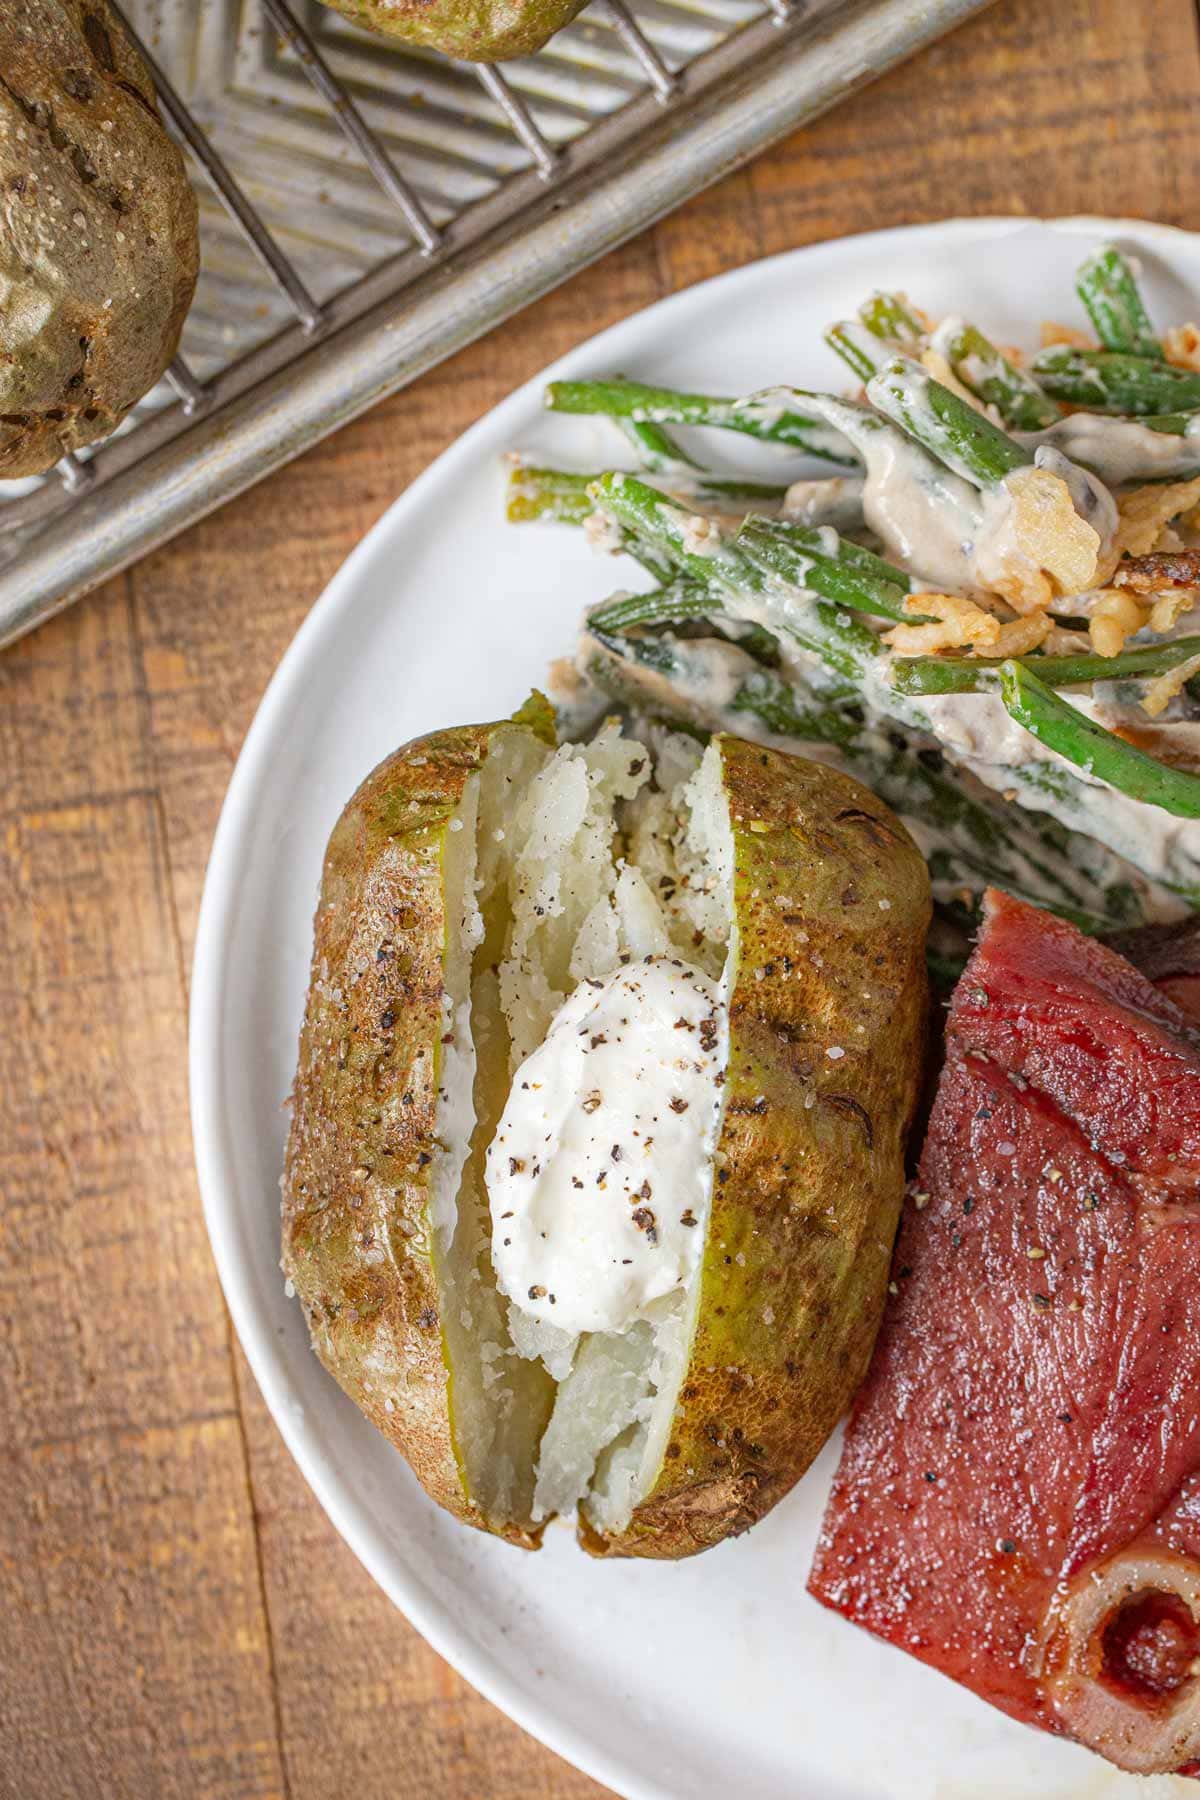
pixel 583 864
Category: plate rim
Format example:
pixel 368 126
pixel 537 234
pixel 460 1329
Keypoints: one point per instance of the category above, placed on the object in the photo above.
pixel 214 1159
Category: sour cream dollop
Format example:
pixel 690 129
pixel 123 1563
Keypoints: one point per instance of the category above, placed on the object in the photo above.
pixel 598 1176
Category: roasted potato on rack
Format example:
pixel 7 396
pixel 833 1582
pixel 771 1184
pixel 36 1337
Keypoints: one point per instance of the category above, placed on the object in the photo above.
pixel 608 1060
pixel 485 31
pixel 98 237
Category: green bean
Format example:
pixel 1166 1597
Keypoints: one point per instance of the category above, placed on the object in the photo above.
pixel 548 494
pixel 779 706
pixel 667 605
pixel 890 317
pixel 760 692
pixel 654 652
pixel 978 675
pixel 945 424
pixel 827 540
pixel 718 563
pixel 1071 734
pixel 562 494
pixel 861 352
pixel 849 575
pixel 1108 288
pixel 656 448
pixel 696 546
pixel 1109 381
pixel 758 416
pixel 997 380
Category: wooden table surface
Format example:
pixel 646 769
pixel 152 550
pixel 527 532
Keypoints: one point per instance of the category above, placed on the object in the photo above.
pixel 178 1617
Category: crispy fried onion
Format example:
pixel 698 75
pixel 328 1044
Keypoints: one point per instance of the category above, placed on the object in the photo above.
pixel 1160 693
pixel 962 625
pixel 1146 510
pixel 958 624
pixel 1115 617
pixel 1181 346
pixel 1019 636
pixel 1041 548
pixel 1168 609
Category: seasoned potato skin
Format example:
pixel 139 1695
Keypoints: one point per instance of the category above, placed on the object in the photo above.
pixel 356 1190
pixel 98 237
pixel 805 1204
pixel 483 31
pixel 810 1162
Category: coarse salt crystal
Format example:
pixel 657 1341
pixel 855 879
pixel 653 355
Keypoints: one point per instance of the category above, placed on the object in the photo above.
pixel 834 1052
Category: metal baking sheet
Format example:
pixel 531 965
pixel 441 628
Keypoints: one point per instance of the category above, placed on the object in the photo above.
pixel 366 210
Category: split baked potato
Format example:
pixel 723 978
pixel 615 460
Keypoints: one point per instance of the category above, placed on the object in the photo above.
pixel 484 31
pixel 98 233
pixel 482 891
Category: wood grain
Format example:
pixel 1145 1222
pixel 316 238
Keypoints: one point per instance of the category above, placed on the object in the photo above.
pixel 179 1619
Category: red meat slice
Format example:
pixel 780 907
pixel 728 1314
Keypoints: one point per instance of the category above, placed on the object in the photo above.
pixel 1018 1501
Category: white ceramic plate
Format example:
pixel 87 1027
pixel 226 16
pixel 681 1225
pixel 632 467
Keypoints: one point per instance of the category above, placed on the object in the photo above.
pixel 718 1676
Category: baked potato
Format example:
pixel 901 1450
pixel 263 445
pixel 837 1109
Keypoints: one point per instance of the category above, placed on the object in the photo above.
pixel 485 31
pixel 98 232
pixel 596 1155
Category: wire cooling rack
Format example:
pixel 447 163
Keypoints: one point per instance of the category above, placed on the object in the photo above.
pixel 368 209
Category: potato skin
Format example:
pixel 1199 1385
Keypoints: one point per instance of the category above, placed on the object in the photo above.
pixel 810 1173
pixel 357 1187
pixel 483 31
pixel 98 231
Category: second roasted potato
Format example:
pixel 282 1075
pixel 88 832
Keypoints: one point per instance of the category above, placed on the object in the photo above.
pixel 98 237
pixel 483 31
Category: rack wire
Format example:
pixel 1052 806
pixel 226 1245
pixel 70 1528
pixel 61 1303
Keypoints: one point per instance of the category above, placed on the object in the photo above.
pixel 368 209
